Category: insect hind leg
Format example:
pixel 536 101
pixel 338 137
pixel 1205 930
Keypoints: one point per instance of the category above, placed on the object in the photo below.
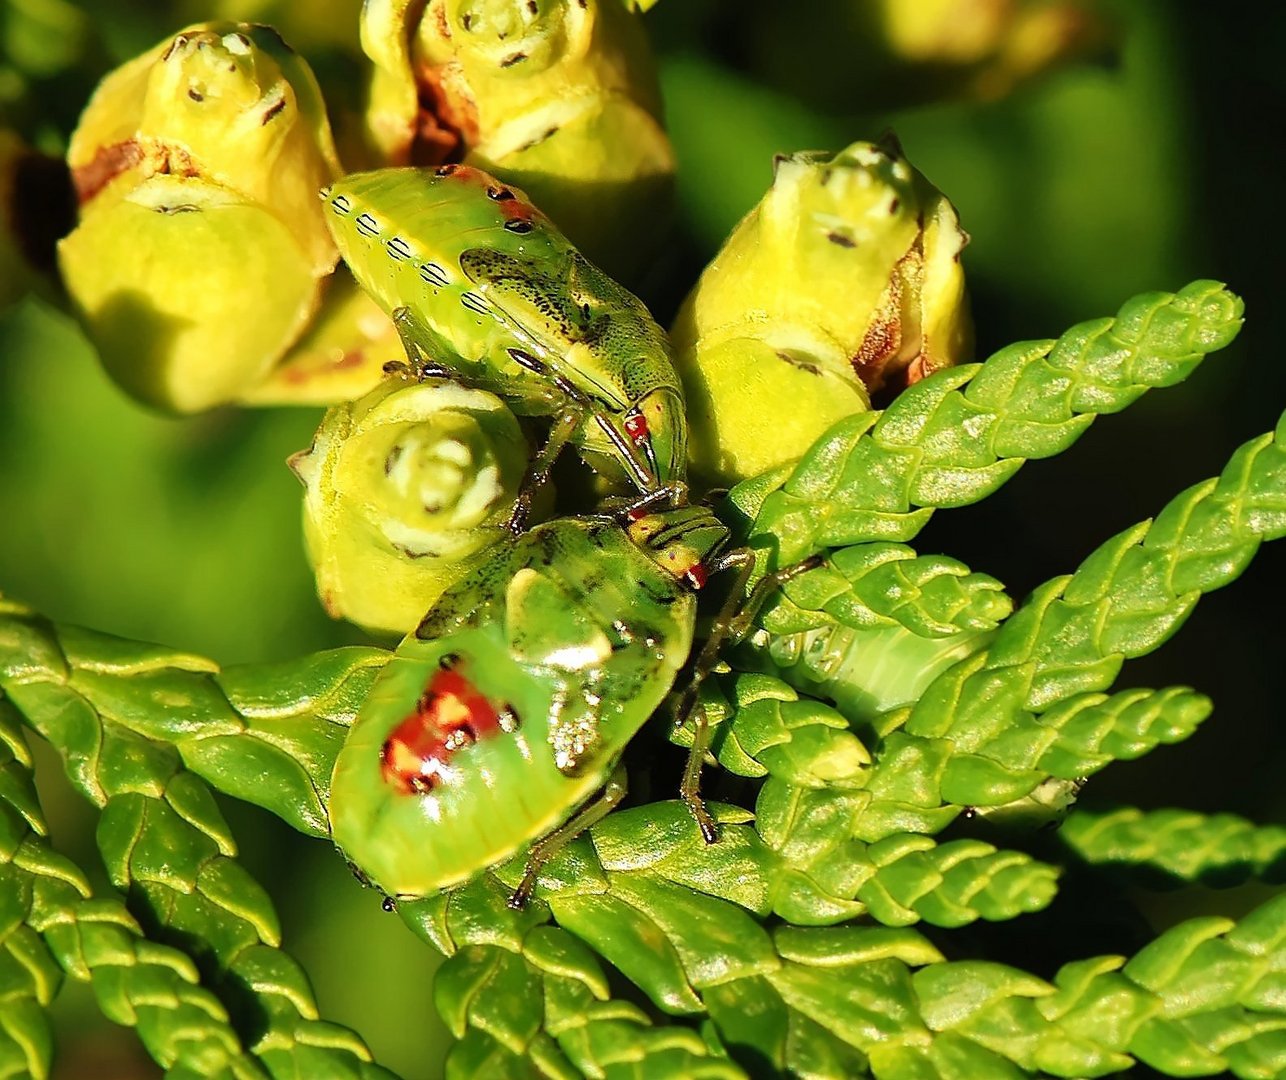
pixel 546 848
pixel 730 625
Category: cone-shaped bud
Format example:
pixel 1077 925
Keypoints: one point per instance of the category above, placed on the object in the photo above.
pixel 557 96
pixel 843 284
pixel 402 488
pixel 201 245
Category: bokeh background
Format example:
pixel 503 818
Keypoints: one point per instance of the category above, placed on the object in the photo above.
pixel 1150 160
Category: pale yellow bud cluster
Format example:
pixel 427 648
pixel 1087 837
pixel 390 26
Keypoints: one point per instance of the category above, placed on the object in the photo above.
pixel 842 284
pixel 201 246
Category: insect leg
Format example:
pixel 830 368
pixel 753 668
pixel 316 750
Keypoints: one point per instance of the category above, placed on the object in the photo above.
pixel 730 624
pixel 415 335
pixel 538 471
pixel 739 624
pixel 545 849
pixel 674 494
pixel 644 478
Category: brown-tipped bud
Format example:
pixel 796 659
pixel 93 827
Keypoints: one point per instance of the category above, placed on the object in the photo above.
pixel 557 96
pixel 843 284
pixel 201 245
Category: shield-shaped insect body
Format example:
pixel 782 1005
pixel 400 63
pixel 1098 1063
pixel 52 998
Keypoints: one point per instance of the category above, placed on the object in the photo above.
pixel 484 287
pixel 510 705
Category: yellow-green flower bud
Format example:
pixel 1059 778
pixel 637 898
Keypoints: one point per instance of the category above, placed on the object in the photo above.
pixel 402 488
pixel 844 283
pixel 557 96
pixel 201 246
pixel 341 356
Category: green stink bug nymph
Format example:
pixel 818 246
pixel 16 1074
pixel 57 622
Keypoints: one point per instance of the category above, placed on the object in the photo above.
pixel 483 288
pixel 510 705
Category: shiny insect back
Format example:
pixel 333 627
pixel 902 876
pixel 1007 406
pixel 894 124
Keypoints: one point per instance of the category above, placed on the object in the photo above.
pixel 499 718
pixel 484 288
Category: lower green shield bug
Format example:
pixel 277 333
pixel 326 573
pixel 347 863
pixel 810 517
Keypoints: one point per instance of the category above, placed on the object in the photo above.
pixel 499 718
pixel 485 289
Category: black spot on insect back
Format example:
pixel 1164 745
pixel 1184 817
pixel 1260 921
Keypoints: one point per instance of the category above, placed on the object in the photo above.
pixel 841 239
pixel 475 303
pixel 509 719
pixel 518 225
pixel 434 275
pixel 500 194
pixel 525 359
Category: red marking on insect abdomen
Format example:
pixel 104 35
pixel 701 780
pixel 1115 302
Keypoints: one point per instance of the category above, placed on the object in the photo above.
pixel 450 716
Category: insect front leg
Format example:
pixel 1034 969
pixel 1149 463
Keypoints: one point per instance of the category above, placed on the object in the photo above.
pixel 545 849
pixel 537 475
pixel 730 625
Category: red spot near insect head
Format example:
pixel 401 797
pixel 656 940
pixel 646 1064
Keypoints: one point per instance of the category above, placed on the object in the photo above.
pixel 450 715
pixel 696 576
pixel 636 427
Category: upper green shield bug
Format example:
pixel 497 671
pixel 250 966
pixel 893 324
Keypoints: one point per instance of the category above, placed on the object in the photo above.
pixel 483 288
pixel 510 705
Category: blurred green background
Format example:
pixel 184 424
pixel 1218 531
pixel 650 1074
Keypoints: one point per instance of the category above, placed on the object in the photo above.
pixel 1152 163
